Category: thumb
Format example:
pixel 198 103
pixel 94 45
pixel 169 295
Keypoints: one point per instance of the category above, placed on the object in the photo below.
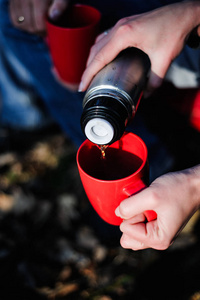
pixel 57 8
pixel 137 204
pixel 159 67
pixel 153 83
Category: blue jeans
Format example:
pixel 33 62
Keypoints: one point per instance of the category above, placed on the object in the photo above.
pixel 31 97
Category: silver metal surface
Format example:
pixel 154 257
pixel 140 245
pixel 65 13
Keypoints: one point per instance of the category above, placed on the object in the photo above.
pixel 124 77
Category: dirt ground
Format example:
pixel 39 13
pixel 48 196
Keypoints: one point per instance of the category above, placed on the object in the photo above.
pixel 54 246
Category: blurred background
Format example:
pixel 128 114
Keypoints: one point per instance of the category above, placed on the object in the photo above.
pixel 52 243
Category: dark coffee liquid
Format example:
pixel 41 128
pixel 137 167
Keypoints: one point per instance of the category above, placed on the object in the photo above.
pixel 116 164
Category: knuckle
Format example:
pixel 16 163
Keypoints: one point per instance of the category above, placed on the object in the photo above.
pixel 123 29
pixel 93 49
pixel 122 21
pixel 163 245
pixel 97 54
pixel 155 198
pixel 122 227
pixel 139 246
pixel 132 244
pixel 124 210
pixel 124 242
pixel 100 58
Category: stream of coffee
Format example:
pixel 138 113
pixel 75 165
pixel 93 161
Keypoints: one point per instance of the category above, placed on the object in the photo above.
pixel 103 148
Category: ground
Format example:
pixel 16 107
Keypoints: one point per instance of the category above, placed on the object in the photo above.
pixel 52 244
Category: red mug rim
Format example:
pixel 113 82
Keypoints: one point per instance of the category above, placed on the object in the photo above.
pixel 81 27
pixel 121 179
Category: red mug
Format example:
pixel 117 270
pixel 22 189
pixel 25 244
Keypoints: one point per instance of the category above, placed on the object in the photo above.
pixel 70 39
pixel 122 173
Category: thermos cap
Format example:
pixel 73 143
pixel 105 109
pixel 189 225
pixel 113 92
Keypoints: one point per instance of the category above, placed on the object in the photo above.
pixel 99 131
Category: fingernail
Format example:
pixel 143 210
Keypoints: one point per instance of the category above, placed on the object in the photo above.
pixel 80 88
pixel 117 212
pixel 54 14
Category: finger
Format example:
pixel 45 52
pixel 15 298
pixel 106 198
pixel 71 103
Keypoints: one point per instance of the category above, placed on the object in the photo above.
pixel 152 234
pixel 16 11
pixel 100 42
pixel 102 35
pixel 107 37
pixel 128 243
pixel 134 230
pixel 99 37
pixel 102 53
pixel 137 219
pixel 137 234
pixel 134 233
pixel 137 204
pixel 39 9
pixel 29 15
pixel 57 8
pixel 22 15
pixel 159 66
pixel 97 47
pixel 13 11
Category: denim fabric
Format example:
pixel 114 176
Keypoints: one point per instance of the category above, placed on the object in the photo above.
pixel 28 87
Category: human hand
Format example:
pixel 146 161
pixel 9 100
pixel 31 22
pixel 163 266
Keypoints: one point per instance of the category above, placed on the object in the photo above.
pixel 32 13
pixel 174 197
pixel 160 33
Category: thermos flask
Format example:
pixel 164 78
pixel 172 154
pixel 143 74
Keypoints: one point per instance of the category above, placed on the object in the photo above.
pixel 112 97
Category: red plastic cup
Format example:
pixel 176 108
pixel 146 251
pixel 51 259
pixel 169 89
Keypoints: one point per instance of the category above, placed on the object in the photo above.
pixel 109 181
pixel 70 39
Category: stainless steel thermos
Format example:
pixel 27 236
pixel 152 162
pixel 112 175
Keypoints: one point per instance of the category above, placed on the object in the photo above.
pixel 113 96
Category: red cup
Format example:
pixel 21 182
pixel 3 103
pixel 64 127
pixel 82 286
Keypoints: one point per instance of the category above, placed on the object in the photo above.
pixel 70 39
pixel 122 173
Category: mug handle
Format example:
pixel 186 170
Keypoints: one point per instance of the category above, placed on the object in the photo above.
pixel 139 186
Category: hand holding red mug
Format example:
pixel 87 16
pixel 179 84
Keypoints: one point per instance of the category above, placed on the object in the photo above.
pixel 154 215
pixel 174 196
